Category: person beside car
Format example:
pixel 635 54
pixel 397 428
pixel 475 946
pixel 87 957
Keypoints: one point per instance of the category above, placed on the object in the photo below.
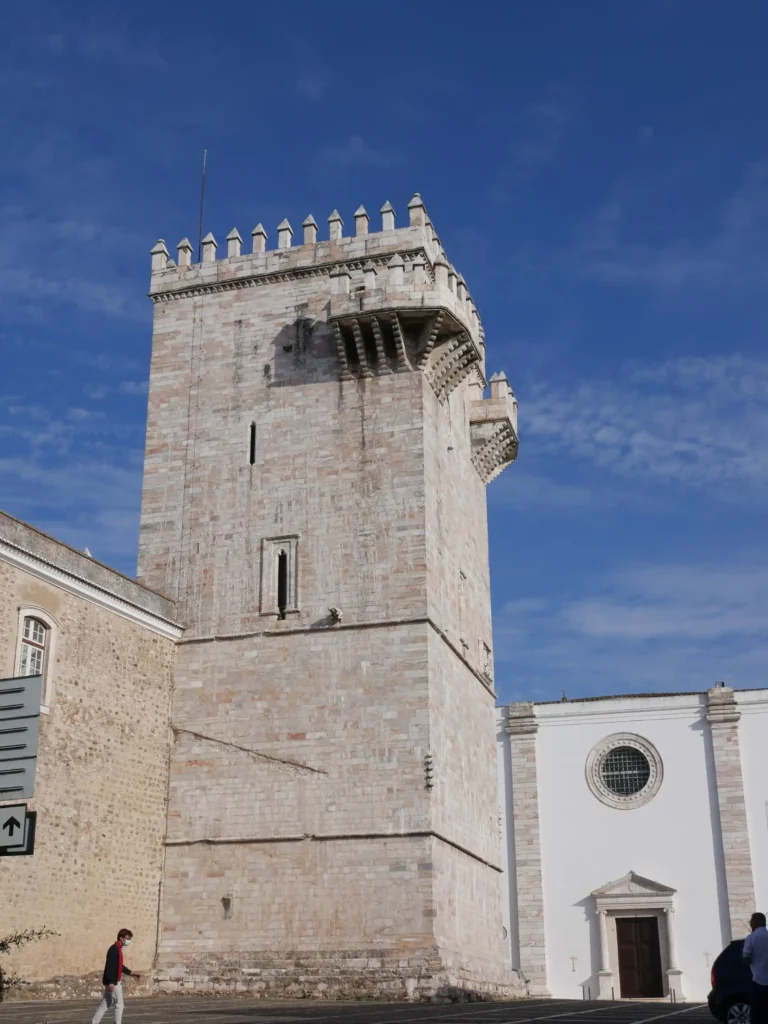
pixel 756 955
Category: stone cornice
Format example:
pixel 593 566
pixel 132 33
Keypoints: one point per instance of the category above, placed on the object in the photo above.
pixel 80 587
pixel 521 719
pixel 319 837
pixel 371 624
pixel 722 708
pixel 258 278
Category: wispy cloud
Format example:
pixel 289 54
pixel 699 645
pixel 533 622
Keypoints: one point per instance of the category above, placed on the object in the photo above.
pixel 539 132
pixel 134 387
pixel 699 422
pixel 356 152
pixel 313 85
pixel 619 245
pixel 656 627
pixel 523 490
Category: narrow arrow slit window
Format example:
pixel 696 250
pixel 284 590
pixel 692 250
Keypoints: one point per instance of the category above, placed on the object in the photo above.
pixel 252 444
pixel 282 584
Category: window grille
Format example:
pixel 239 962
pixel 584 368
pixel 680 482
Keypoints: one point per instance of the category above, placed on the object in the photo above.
pixel 625 771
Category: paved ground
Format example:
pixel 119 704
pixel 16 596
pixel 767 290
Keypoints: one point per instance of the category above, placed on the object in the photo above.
pixel 170 1010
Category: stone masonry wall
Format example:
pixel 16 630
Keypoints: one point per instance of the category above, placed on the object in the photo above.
pixel 300 742
pixel 100 791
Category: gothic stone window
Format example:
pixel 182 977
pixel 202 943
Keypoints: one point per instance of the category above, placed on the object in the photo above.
pixel 279 576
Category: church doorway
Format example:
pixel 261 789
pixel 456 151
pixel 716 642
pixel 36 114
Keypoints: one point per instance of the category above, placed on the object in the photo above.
pixel 639 950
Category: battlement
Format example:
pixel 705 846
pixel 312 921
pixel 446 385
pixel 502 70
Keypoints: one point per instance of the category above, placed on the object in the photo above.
pixel 396 303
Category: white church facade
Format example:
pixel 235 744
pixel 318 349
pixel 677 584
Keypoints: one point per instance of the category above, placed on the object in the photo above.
pixel 635 839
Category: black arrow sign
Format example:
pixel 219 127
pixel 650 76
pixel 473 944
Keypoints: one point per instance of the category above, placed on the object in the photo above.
pixel 11 824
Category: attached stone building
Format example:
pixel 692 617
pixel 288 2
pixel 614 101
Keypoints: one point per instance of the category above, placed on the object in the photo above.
pixel 635 837
pixel 105 645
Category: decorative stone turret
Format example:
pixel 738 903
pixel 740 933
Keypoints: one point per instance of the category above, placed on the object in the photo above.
pixel 493 429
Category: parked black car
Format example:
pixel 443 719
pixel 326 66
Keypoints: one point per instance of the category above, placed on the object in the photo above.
pixel 731 985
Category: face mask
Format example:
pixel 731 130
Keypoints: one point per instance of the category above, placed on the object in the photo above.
pixel 126 942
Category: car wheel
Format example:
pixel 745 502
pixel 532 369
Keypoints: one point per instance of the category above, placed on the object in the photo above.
pixel 739 1013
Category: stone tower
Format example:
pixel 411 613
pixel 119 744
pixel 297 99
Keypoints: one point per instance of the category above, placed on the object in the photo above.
pixel 318 447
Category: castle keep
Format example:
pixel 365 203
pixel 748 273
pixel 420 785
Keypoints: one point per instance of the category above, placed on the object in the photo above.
pixel 318 447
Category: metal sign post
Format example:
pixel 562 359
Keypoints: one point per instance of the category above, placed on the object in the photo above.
pixel 19 736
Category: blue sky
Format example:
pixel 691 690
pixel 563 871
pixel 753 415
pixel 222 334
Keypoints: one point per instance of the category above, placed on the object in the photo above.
pixel 597 170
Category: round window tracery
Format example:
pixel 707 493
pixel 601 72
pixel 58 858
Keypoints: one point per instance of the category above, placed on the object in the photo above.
pixel 624 770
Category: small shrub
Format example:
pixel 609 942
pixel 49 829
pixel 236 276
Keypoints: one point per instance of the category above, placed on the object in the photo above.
pixel 14 941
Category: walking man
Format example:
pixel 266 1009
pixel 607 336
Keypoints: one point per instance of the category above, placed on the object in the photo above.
pixel 756 955
pixel 114 969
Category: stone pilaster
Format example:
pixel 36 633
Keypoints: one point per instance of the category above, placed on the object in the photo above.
pixel 522 727
pixel 723 718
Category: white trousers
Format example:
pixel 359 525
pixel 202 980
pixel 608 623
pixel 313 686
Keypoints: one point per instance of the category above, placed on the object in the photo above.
pixel 110 1000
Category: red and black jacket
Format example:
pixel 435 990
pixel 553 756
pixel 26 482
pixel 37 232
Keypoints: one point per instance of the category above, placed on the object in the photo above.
pixel 114 968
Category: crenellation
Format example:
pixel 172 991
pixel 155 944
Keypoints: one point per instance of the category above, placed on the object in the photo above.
pixel 387 217
pixel 417 212
pixel 441 272
pixel 234 242
pixel 370 275
pixel 335 225
pixel 259 236
pixel 284 234
pixel 361 221
pixel 418 264
pixel 340 278
pixel 310 230
pixel 159 254
pixel 210 246
pixel 185 253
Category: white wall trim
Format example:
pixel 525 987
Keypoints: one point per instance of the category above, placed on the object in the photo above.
pixel 74 584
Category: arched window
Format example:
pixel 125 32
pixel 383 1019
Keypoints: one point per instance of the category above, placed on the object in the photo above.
pixel 33 643
pixel 35 648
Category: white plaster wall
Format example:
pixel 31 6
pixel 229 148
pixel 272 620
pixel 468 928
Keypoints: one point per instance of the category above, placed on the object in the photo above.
pixel 753 741
pixel 673 840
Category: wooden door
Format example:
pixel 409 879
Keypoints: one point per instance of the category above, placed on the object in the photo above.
pixel 639 957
